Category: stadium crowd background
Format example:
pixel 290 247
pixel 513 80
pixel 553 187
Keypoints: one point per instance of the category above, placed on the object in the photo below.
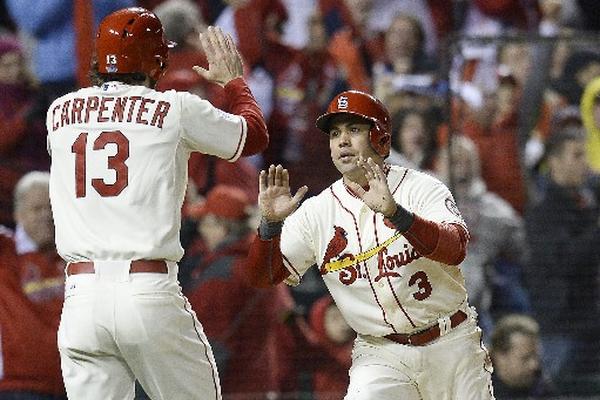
pixel 498 98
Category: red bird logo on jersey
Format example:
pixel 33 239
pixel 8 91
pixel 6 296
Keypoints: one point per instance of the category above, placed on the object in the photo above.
pixel 336 245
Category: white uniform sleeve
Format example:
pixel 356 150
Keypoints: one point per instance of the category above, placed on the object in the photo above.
pixel 297 245
pixel 433 201
pixel 211 130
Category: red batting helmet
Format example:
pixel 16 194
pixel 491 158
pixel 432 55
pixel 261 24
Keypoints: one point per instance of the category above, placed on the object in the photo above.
pixel 131 40
pixel 366 106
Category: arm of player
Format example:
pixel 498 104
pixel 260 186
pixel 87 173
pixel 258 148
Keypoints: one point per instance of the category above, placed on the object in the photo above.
pixel 225 69
pixel 446 243
pixel 264 263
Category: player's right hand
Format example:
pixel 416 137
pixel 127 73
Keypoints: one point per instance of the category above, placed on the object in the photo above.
pixel 224 60
pixel 275 200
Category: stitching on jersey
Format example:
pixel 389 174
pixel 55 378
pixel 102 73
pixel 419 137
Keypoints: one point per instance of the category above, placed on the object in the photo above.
pixel 401 180
pixel 364 264
pixel 389 280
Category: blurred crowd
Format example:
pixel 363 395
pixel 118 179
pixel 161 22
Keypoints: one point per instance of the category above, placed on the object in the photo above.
pixel 500 99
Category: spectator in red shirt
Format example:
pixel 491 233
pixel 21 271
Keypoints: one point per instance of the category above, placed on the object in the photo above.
pixel 247 332
pixel 22 132
pixel 330 340
pixel 31 296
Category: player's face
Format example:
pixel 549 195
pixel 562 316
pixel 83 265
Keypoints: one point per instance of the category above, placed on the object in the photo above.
pixel 35 215
pixel 348 141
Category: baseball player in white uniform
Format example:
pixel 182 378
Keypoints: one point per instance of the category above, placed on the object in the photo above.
pixel 388 242
pixel 118 177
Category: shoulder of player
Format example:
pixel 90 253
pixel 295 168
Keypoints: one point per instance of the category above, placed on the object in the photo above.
pixel 412 177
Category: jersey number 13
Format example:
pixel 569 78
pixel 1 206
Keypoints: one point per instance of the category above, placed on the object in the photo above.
pixel 115 162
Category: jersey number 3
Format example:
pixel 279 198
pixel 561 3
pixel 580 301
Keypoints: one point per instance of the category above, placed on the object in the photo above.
pixel 115 162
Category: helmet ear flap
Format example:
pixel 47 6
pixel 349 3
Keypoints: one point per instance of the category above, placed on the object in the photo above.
pixel 380 140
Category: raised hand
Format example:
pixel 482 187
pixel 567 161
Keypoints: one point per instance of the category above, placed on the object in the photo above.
pixel 274 198
pixel 378 197
pixel 224 60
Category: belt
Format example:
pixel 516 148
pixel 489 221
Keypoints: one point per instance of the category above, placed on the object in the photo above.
pixel 428 335
pixel 87 267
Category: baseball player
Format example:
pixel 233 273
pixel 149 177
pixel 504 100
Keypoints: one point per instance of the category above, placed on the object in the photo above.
pixel 119 171
pixel 388 242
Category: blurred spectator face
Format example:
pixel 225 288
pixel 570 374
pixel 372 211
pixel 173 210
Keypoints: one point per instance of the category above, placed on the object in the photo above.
pixel 222 215
pixel 569 167
pixel 464 161
pixel 412 136
pixel 517 58
pixel 402 38
pixel 559 58
pixel 33 212
pixel 11 67
pixel 359 9
pixel 212 230
pixel 588 73
pixel 505 98
pixel 336 327
pixel 317 35
pixel 550 8
pixel 519 366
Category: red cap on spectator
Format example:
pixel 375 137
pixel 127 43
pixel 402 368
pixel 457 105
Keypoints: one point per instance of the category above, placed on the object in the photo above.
pixel 223 201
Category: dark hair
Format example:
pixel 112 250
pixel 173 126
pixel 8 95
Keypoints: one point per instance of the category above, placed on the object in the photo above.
pixel 508 326
pixel 430 125
pixel 556 142
pixel 134 78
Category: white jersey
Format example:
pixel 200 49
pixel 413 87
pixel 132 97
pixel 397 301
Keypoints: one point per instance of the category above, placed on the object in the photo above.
pixel 119 167
pixel 379 282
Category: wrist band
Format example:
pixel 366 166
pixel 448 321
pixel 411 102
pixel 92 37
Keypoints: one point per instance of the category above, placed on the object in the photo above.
pixel 402 218
pixel 268 230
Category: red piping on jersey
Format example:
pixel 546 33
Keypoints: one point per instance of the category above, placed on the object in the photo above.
pixel 401 180
pixel 388 278
pixel 238 145
pixel 364 263
pixel 213 368
pixel 242 102
pixel 289 265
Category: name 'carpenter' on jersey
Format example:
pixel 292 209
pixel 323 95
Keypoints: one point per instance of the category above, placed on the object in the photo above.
pixel 136 109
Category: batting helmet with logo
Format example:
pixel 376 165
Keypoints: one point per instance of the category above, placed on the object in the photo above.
pixel 366 106
pixel 131 40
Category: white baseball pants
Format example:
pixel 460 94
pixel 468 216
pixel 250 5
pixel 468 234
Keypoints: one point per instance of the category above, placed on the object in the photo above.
pixel 117 327
pixel 456 366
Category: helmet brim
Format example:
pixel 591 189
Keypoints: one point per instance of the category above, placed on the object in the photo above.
pixel 324 120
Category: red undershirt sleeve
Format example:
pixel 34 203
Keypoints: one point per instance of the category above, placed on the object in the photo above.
pixel 443 242
pixel 264 263
pixel 242 102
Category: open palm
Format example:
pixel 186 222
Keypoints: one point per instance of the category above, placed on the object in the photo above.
pixel 275 199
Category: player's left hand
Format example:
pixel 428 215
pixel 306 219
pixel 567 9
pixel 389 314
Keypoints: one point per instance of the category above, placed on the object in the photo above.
pixel 224 60
pixel 378 197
